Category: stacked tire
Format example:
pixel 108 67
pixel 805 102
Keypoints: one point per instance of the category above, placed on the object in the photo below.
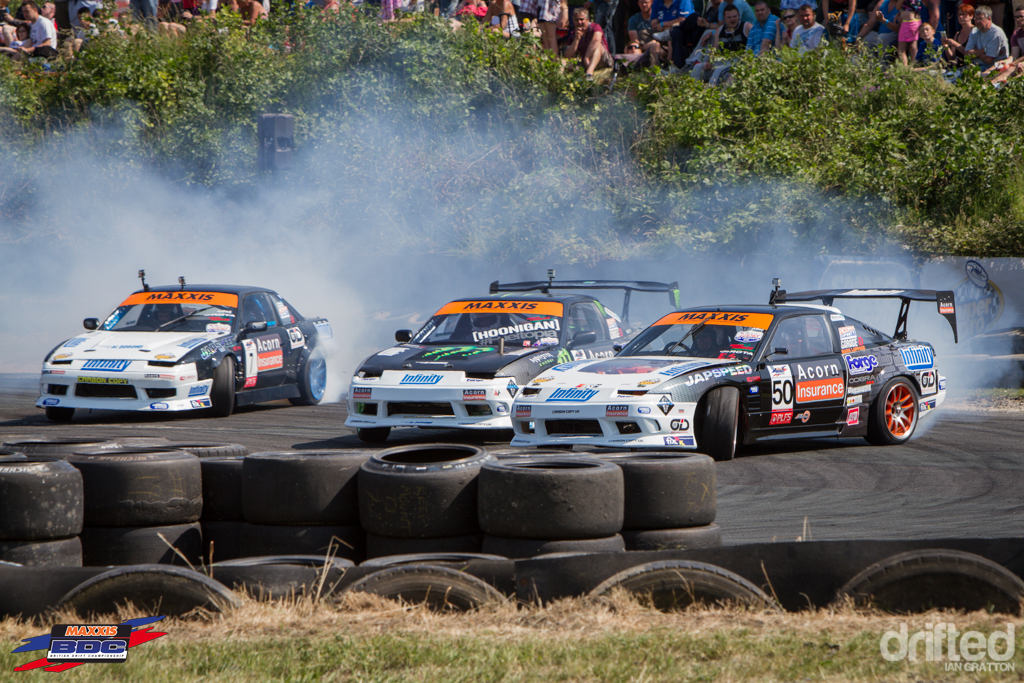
pixel 222 520
pixel 41 511
pixel 141 506
pixel 421 499
pixel 670 501
pixel 302 503
pixel 530 507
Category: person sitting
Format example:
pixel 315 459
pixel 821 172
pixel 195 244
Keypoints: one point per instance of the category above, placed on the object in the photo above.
pixel 21 40
pixel 42 34
pixel 641 31
pixel 666 15
pixel 588 44
pixel 987 44
pixel 763 30
pixel 1016 63
pixel 730 38
pixel 883 25
pixel 787 26
pixel 501 16
pixel 809 35
pixel 693 35
pixel 955 50
pixel 929 47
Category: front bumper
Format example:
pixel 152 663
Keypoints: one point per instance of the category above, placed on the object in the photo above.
pixel 151 389
pixel 653 421
pixel 454 402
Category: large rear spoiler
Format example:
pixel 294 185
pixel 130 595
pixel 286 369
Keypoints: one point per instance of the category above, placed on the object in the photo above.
pixel 671 288
pixel 944 301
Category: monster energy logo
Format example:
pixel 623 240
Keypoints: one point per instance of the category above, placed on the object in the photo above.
pixel 461 351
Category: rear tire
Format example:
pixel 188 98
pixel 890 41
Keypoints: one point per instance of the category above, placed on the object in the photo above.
pixel 718 434
pixel 312 381
pixel 373 434
pixel 55 414
pixel 223 392
pixel 894 414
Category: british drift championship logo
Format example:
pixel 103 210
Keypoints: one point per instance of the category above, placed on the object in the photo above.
pixel 68 645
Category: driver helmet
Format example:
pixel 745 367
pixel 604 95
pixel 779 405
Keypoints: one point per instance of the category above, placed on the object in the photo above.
pixel 709 339
pixel 484 321
pixel 165 313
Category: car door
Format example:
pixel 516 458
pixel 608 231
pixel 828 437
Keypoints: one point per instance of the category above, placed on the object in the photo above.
pixel 264 349
pixel 294 339
pixel 584 318
pixel 806 379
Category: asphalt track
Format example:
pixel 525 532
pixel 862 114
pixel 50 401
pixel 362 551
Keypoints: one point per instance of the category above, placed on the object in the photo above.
pixel 962 476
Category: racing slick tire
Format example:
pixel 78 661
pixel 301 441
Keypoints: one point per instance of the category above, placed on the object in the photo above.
pixel 277 577
pixel 421 491
pixel 935 578
pixel 140 487
pixel 676 584
pixel 222 395
pixel 222 541
pixel 222 489
pixel 894 413
pixel 312 381
pixel 521 548
pixel 304 487
pixel 348 542
pixel 383 546
pixel 453 560
pixel 666 490
pixel 172 544
pixel 205 449
pixel 373 434
pixel 58 414
pixel 553 498
pixel 691 538
pixel 721 420
pixel 59 447
pixel 438 588
pixel 40 499
pixel 64 552
pixel 151 588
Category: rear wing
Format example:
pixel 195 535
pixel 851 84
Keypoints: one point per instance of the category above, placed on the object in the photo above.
pixel 944 301
pixel 671 288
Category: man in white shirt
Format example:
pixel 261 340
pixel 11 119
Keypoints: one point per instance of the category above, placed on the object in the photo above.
pixel 42 33
pixel 809 35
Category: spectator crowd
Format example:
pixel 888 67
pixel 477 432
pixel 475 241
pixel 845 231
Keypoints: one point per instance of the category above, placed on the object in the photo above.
pixel 942 35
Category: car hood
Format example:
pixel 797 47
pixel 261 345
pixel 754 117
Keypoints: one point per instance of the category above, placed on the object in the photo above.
pixel 161 346
pixel 625 372
pixel 474 359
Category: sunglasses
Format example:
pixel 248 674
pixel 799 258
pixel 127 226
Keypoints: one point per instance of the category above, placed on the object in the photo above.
pixel 789 16
pixel 632 47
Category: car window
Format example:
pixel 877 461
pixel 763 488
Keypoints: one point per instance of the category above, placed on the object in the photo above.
pixel 257 309
pixel 856 336
pixel 284 312
pixel 586 318
pixel 804 336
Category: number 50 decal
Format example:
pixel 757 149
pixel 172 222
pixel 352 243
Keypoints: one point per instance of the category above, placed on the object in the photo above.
pixel 782 387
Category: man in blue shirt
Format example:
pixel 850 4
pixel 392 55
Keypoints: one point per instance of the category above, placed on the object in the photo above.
pixel 669 13
pixel 746 13
pixel 763 30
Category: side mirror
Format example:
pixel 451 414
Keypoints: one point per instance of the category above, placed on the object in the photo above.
pixel 779 351
pixel 256 326
pixel 91 323
pixel 583 338
pixel 402 336
pixel 617 347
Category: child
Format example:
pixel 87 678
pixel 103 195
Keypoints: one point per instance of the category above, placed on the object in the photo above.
pixel 910 23
pixel 21 40
pixel 929 47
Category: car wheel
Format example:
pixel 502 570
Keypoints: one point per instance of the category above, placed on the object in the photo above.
pixel 312 381
pixel 55 414
pixel 373 434
pixel 223 392
pixel 894 414
pixel 718 434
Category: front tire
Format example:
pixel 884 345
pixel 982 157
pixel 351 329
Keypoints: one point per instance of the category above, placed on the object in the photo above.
pixel 223 393
pixel 312 381
pixel 373 434
pixel 894 414
pixel 718 434
pixel 55 414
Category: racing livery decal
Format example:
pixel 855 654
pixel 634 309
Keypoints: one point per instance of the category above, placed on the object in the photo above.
pixel 270 356
pixel 819 382
pixel 782 395
pixel 251 365
pixel 917 358
pixel 928 384
pixel 295 338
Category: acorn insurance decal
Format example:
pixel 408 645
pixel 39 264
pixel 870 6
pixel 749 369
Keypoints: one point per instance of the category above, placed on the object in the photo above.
pixel 68 645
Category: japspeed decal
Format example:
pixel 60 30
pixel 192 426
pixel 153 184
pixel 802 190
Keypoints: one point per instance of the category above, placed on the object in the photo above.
pixel 819 382
pixel 917 358
pixel 698 377
pixel 861 365
pixel 70 645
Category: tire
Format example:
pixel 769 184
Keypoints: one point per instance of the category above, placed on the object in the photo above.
pixel 382 546
pixel 106 546
pixel 452 560
pixel 12 456
pixel 304 487
pixel 520 548
pixel 140 487
pixel 222 395
pixel 282 576
pixel 315 561
pixel 438 588
pixel 373 434
pixel 26 592
pixel 222 541
pixel 554 498
pixel 691 538
pixel 151 589
pixel 718 431
pixel 667 490
pixel 222 489
pixel 207 450
pixel 921 580
pixel 65 552
pixel 60 447
pixel 312 381
pixel 520 453
pixel 887 422
pixel 421 491
pixel 56 414
pixel 677 584
pixel 348 542
pixel 40 500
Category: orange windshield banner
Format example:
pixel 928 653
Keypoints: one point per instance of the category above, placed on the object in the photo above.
pixel 759 320
pixel 520 307
pixel 199 298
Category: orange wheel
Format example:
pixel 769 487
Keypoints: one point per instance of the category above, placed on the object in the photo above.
pixel 894 413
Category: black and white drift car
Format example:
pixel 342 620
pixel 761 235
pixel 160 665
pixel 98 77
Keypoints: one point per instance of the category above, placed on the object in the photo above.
pixel 188 348
pixel 709 378
pixel 464 367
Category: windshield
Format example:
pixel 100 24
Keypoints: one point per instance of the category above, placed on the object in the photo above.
pixel 700 334
pixel 166 312
pixel 519 323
